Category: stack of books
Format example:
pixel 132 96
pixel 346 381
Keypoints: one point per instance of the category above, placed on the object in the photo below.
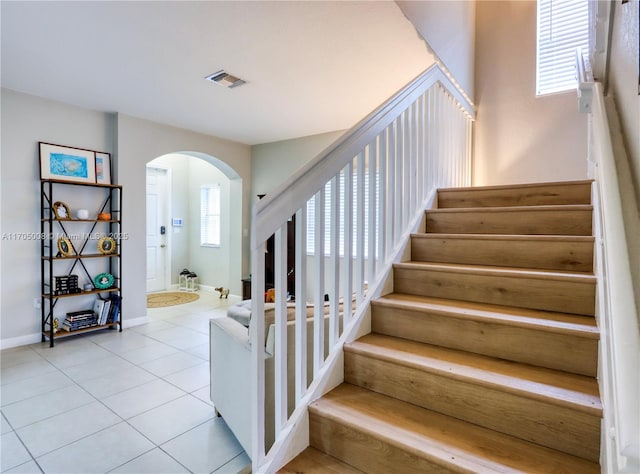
pixel 107 310
pixel 79 320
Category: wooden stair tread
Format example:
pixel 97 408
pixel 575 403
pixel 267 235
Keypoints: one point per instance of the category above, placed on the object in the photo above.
pixel 519 186
pixel 560 388
pixel 488 270
pixel 312 461
pixel 584 326
pixel 507 237
pixel 524 209
pixel 446 441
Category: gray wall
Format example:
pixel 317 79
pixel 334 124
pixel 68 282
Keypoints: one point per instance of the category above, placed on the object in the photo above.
pixel 448 27
pixel 26 120
pixel 272 163
pixel 133 142
pixel 519 137
pixel 624 87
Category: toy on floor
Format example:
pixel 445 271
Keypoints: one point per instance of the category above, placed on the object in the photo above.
pixel 224 292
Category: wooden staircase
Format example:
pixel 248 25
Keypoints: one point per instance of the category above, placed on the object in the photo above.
pixel 484 358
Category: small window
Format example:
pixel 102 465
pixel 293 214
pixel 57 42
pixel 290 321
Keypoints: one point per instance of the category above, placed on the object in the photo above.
pixel 563 26
pixel 210 215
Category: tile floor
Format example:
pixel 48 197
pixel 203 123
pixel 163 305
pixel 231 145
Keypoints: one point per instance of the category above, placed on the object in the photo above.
pixel 132 402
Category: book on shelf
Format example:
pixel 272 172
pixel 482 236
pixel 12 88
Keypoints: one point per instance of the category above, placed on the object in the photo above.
pixel 114 312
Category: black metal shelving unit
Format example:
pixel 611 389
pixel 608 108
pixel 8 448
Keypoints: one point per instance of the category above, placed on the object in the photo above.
pixel 51 257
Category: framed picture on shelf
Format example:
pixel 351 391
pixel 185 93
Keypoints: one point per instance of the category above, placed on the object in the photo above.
pixel 107 245
pixel 61 210
pixel 64 163
pixel 64 247
pixel 103 168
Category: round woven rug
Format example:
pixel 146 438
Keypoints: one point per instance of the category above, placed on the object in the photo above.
pixel 170 298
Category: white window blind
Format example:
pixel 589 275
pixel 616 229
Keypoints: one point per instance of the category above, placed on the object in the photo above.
pixel 210 215
pixel 311 206
pixel 563 26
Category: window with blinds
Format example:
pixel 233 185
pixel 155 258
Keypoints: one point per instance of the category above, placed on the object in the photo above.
pixel 210 215
pixel 311 207
pixel 563 26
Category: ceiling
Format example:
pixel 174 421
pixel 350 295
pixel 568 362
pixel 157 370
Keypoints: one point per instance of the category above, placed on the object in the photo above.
pixel 310 67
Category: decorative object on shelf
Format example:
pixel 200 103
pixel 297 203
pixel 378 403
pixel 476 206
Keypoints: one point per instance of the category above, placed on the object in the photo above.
pixel 107 245
pixel 65 248
pixel 103 168
pixel 66 285
pixel 88 287
pixel 64 163
pixel 56 325
pixel 83 214
pixel 61 210
pixel 103 281
pixel 104 216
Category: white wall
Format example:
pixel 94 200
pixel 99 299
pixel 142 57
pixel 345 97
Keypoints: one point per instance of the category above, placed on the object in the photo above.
pixel 26 120
pixel 212 264
pixel 179 207
pixel 520 138
pixel 448 27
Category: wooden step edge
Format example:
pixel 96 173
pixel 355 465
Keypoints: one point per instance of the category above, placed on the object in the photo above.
pixel 499 187
pixel 586 329
pixel 314 461
pixel 545 208
pixel 507 237
pixel 489 377
pixel 438 438
pixel 392 434
pixel 510 272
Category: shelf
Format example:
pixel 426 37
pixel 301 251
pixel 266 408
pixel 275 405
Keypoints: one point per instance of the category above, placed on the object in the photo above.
pixel 60 181
pixel 92 292
pixel 113 221
pixel 76 257
pixel 63 333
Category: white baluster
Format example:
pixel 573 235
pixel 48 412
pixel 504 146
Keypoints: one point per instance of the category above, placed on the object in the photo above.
pixel 318 299
pixel 348 242
pixel 334 285
pixel 301 302
pixel 280 361
pixel 359 215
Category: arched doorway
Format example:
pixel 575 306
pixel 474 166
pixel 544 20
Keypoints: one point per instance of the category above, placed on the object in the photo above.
pixel 177 183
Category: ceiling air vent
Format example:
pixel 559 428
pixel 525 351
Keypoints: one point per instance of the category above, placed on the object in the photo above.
pixel 225 79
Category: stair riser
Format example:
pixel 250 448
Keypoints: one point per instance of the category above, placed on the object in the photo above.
pixel 525 196
pixel 542 254
pixel 530 222
pixel 364 451
pixel 566 296
pixel 522 344
pixel 556 427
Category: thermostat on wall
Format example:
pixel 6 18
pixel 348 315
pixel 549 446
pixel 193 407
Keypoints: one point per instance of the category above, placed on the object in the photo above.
pixel 176 222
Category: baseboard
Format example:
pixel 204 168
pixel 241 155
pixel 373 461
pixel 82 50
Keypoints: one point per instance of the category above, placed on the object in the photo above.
pixel 20 341
pixel 129 323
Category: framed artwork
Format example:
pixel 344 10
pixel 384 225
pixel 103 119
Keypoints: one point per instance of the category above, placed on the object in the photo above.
pixel 64 247
pixel 65 163
pixel 103 168
pixel 61 210
pixel 106 245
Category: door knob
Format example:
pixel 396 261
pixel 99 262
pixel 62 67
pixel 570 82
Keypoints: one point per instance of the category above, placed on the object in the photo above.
pixel 162 246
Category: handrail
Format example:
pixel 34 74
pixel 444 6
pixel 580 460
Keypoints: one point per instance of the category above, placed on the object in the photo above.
pixel 619 352
pixel 361 194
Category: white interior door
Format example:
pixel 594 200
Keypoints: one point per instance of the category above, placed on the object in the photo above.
pixel 157 229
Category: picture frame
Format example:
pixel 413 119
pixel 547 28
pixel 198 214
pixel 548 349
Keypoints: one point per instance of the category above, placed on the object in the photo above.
pixel 103 168
pixel 106 245
pixel 65 247
pixel 61 211
pixel 65 163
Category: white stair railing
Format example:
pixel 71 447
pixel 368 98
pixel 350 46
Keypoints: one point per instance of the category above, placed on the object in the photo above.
pixel 619 349
pixel 359 196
